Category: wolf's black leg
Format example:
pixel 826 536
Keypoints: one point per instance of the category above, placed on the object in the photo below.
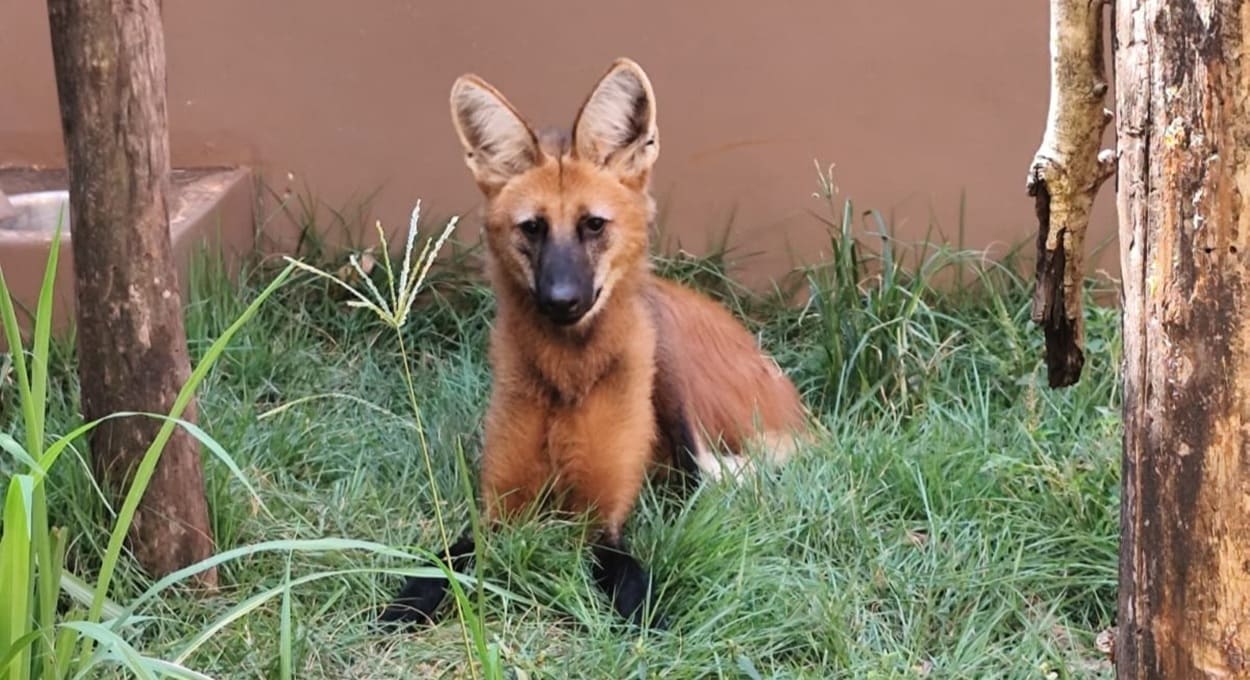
pixel 676 432
pixel 626 582
pixel 419 597
pixel 681 434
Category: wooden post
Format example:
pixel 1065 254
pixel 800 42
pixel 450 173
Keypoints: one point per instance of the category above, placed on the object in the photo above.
pixel 1183 128
pixel 109 57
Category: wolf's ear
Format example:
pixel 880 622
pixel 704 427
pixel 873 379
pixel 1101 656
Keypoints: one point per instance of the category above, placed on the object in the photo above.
pixel 498 144
pixel 616 125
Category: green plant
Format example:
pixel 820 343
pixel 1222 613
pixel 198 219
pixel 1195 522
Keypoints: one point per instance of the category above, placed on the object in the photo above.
pixel 973 538
pixel 882 337
pixel 393 307
pixel 26 541
pixel 34 641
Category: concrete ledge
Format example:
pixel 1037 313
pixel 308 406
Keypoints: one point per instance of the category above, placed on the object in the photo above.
pixel 210 208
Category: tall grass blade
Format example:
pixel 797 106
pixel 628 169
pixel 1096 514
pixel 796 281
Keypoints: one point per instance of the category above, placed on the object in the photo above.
pixel 311 545
pixel 284 626
pixel 81 592
pixel 258 600
pixel 42 338
pixel 48 546
pixel 19 646
pixel 13 335
pixel 13 448
pixel 114 646
pixel 16 582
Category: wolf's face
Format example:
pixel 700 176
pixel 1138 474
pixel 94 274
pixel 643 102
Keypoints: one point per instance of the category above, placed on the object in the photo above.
pixel 566 219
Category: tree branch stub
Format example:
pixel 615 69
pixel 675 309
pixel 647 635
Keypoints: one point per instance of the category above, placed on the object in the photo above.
pixel 1064 179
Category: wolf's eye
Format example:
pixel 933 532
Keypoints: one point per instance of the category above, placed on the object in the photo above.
pixel 593 224
pixel 533 227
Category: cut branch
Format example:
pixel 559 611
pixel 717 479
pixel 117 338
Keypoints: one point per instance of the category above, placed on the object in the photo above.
pixel 1064 179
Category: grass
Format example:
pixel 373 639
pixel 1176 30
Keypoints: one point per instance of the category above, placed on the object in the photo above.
pixel 958 521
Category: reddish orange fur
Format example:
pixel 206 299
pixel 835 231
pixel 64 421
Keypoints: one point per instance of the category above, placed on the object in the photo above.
pixel 573 406
pixel 734 391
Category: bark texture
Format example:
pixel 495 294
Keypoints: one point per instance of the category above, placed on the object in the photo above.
pixel 1183 98
pixel 1064 179
pixel 109 57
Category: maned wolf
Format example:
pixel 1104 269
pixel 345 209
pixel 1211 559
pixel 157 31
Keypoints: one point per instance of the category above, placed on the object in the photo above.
pixel 602 371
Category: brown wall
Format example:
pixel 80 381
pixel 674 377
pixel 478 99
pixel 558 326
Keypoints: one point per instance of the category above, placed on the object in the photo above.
pixel 913 100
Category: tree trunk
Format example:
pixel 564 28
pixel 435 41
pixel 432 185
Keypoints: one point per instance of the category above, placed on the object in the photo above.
pixel 1183 91
pixel 109 57
pixel 1064 178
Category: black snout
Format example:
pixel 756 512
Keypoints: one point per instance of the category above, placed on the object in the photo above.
pixel 565 287
pixel 562 299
